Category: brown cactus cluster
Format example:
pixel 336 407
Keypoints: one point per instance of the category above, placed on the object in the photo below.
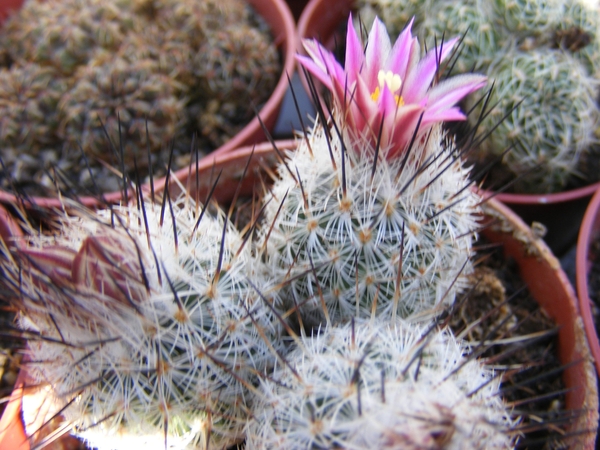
pixel 145 73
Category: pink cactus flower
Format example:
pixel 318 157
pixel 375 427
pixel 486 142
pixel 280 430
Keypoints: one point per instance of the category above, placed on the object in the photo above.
pixel 385 90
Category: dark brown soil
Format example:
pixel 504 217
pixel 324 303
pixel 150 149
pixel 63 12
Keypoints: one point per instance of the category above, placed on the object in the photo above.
pixel 530 381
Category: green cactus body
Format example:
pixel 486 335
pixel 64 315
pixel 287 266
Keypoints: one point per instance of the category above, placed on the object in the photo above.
pixel 384 385
pixel 347 240
pixel 152 337
pixel 482 40
pixel 552 126
pixel 527 18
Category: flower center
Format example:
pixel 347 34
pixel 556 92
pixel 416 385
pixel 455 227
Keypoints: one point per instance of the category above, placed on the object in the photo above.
pixel 392 81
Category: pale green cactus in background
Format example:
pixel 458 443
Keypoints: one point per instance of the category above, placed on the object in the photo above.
pixel 506 33
pixel 552 115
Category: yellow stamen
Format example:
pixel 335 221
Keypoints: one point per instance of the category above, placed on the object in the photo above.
pixel 392 81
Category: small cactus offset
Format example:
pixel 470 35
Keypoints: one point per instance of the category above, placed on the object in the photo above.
pixel 385 385
pixel 145 325
pixel 372 214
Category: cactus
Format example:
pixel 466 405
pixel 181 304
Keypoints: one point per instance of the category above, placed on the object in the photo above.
pixel 552 126
pixel 143 323
pixel 372 384
pixel 361 223
pixel 524 18
pixel 578 32
pixel 235 66
pixel 506 33
pixel 29 96
pixel 481 39
pixel 124 97
pixel 188 67
pixel 66 33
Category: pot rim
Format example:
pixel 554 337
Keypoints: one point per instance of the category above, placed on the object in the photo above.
pixel 589 225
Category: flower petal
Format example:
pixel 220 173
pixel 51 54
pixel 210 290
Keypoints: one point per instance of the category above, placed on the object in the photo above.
pixel 452 90
pixel 355 57
pixel 316 70
pixel 377 53
pixel 402 51
pixel 418 81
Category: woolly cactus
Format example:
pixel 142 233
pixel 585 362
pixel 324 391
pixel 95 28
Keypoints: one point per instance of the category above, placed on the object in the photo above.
pixel 365 220
pixel 147 330
pixel 551 127
pixel 381 385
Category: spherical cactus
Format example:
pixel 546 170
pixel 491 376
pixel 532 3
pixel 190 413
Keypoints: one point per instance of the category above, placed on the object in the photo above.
pixel 481 39
pixel 145 325
pixel 112 96
pixel 66 33
pixel 29 96
pixel 349 235
pixel 372 214
pixel 553 123
pixel 384 385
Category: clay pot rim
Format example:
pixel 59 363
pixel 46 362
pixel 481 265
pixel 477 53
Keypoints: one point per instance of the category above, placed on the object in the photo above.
pixel 590 224
pixel 558 197
pixel 283 28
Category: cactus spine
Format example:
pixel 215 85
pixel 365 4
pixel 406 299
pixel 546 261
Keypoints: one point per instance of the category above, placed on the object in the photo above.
pixel 351 237
pixel 386 385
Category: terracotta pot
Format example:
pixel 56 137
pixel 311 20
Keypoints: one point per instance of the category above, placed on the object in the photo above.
pixel 539 269
pixel 278 16
pixel 589 232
